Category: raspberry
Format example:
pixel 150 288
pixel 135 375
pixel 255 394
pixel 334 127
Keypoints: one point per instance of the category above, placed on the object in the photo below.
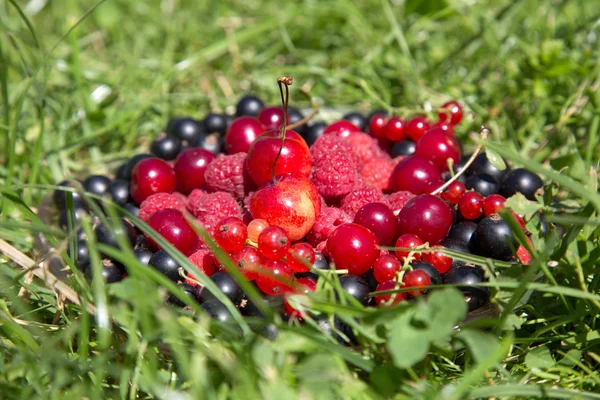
pixel 203 260
pixel 329 219
pixel 219 204
pixel 159 201
pixel 397 200
pixel 357 198
pixel 194 197
pixel 180 196
pixel 327 144
pixel 377 172
pixel 227 174
pixel 209 222
pixel 365 147
pixel 334 175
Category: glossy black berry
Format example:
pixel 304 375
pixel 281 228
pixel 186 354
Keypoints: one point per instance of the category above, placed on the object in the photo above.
pixel 248 105
pixel 462 231
pixel 188 130
pixel 228 120
pixel 434 274
pixel 357 119
pixel 226 284
pixel 404 147
pixel 217 310
pixel 119 191
pixel 165 264
pixel 355 287
pixel 314 132
pixel 215 123
pixel 96 184
pixel 369 277
pixel 273 302
pixel 341 331
pixel 81 255
pixel 166 147
pixel 213 143
pixel 132 163
pixel 108 234
pixel 132 208
pixel 60 197
pixel 111 272
pixel 520 181
pixel 482 165
pixel 294 115
pixel 483 183
pixel 189 291
pixel 320 263
pixel 76 216
pixel 143 255
pixel 122 172
pixel 493 238
pixel 476 296
pixel 456 245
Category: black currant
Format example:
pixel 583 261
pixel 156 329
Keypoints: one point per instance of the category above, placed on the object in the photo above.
pixel 434 274
pixel 482 165
pixel 132 208
pixel 404 147
pixel 106 235
pixel 357 119
pixel 320 263
pixel 248 105
pixel 77 215
pixel 483 183
pixel 213 143
pixel 215 123
pixel 165 264
pixel 166 147
pixel 96 184
pixel 462 231
pixel 226 284
pixel 294 115
pixel 188 130
pixel 189 290
pixel 60 197
pixel 217 310
pixel 119 191
pixel 81 256
pixel 355 287
pixel 522 181
pixel 369 277
pixel 493 238
pixel 314 132
pixel 476 296
pixel 456 245
pixel 273 302
pixel 143 255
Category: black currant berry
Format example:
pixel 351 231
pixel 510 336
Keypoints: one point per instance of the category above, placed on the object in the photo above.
pixel 481 165
pixel 340 326
pixel 111 272
pixel 96 184
pixel 462 231
pixel 369 277
pixel 248 105
pixel 60 197
pixel 217 310
pixel 483 183
pixel 355 287
pixel 493 238
pixel 213 143
pixel 456 245
pixel 476 296
pixel 273 302
pixel 520 181
pixel 404 147
pixel 226 284
pixel 119 191
pixel 314 132
pixel 294 115
pixel 81 256
pixel 106 235
pixel 122 172
pixel 166 147
pixel 434 274
pixel 132 163
pixel 215 123
pixel 188 130
pixel 189 291
pixel 165 264
pixel 320 263
pixel 77 215
pixel 143 255
pixel 132 208
pixel 357 119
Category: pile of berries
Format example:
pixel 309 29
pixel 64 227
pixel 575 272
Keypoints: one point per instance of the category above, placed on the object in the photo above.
pixel 375 200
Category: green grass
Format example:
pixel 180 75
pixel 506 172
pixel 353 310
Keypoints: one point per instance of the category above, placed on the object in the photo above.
pixel 528 70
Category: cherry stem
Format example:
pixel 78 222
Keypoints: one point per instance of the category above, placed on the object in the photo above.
pixel 283 81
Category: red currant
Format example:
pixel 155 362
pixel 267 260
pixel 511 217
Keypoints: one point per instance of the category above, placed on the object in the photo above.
pixel 450 112
pixel 388 300
pixel 273 243
pixel 190 167
pixel 248 258
pixel 408 241
pixel 255 227
pixel 385 268
pixel 454 192
pixel 377 125
pixel 440 261
pixel 426 216
pixel 417 127
pixel 379 219
pixel 231 234
pixel 418 279
pixel 172 225
pixel 151 176
pixel 395 129
pixel 471 205
pixel 353 247
pixel 301 257
pixel 492 204
pixel 279 283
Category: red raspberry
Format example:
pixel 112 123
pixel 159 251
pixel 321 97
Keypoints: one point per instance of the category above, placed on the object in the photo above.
pixel 209 222
pixel 203 259
pixel 180 196
pixel 377 172
pixel 334 175
pixel 365 147
pixel 357 198
pixel 194 197
pixel 330 143
pixel 218 204
pixel 159 201
pixel 227 174
pixel 329 219
pixel 398 199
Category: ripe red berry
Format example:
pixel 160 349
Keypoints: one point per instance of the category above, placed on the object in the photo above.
pixel 417 127
pixel 341 128
pixel 451 113
pixel 190 166
pixel 172 225
pixel 414 174
pixel 440 261
pixel 301 257
pixel 388 300
pixel 379 219
pixel 454 192
pixel 439 147
pixel 231 234
pixel 449 129
pixel 428 217
pixel 255 227
pixel 471 205
pixel 241 134
pixel 273 243
pixel 408 241
pixel 395 129
pixel 248 258
pixel 377 125
pixel 271 117
pixel 385 268
pixel 492 204
pixel 353 247
pixel 151 176
pixel 418 279
pixel 280 282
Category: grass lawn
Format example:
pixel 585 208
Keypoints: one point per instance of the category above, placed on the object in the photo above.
pixel 86 85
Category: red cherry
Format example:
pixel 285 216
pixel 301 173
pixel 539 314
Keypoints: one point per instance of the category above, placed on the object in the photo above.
pixel 449 129
pixel 385 268
pixel 379 219
pixel 248 257
pixel 433 186
pixel 151 176
pixel 408 241
pixel 341 128
pixel 438 147
pixel 294 157
pixel 190 167
pixel 414 174
pixel 471 205
pixel 492 204
pixel 395 129
pixel 454 192
pixel 377 125
pixel 388 300
pixel 273 243
pixel 278 284
pixel 353 247
pixel 231 234
pixel 172 225
pixel 450 112
pixel 417 127
pixel 417 278
pixel 271 117
pixel 241 134
pixel 301 257
pixel 440 261
pixel 426 216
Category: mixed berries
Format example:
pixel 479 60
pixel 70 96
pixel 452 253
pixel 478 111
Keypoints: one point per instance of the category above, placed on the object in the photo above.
pixel 375 201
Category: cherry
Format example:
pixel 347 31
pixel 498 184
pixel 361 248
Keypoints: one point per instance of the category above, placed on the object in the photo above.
pixel 408 241
pixel 440 261
pixel 255 227
pixel 273 243
pixel 231 234
pixel 395 129
pixel 417 127
pixel 414 174
pixel 438 147
pixel 300 257
pixel 377 125
pixel 340 128
pixel 492 204
pixel 450 112
pixel 417 278
pixel 353 247
pixel 471 205
pixel 241 134
pixel 190 167
pixel 385 268
pixel 388 300
pixel 271 117
pixel 379 219
pixel 151 176
pixel 248 257
pixel 279 284
pixel 426 216
pixel 172 225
